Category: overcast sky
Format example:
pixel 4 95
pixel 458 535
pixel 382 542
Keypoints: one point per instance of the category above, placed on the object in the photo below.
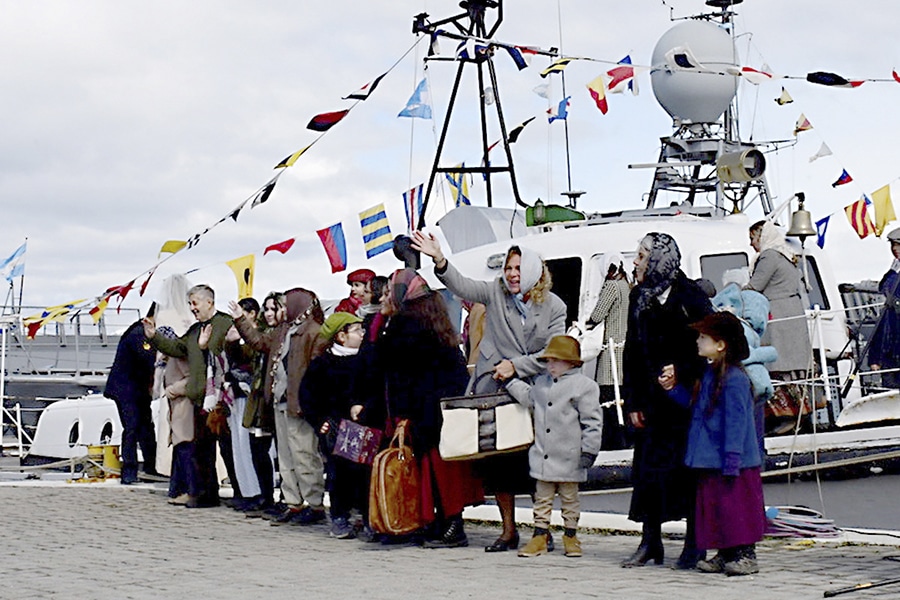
pixel 127 124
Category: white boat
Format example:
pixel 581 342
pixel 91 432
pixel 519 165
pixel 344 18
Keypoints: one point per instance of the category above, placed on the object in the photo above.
pixel 708 178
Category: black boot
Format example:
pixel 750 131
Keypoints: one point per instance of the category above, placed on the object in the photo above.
pixel 651 547
pixel 690 554
pixel 453 536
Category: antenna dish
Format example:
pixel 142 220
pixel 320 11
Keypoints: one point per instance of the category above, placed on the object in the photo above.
pixel 694 95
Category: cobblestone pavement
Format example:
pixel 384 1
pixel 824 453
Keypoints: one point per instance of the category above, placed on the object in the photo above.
pixel 111 542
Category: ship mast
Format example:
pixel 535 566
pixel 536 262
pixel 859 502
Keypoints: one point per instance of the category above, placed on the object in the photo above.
pixel 471 27
pixel 705 156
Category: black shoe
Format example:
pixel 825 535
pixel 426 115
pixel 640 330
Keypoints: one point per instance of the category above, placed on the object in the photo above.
pixel 501 545
pixel 689 559
pixel 309 516
pixel 454 536
pixel 202 503
pixel 644 554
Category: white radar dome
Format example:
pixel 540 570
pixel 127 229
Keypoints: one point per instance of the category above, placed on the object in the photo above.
pixel 685 93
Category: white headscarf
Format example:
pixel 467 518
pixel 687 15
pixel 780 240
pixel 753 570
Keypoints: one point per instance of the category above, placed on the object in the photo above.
pixel 530 270
pixel 771 238
pixel 173 309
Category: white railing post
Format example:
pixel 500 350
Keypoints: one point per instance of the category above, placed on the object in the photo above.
pixel 615 374
pixel 817 317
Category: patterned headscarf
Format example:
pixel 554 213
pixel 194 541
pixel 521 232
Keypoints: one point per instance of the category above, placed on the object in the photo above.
pixel 406 285
pixel 663 265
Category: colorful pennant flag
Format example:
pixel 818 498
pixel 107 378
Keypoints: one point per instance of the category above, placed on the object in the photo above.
pixel 821 228
pixel 597 88
pixel 884 208
pixel 513 135
pixel 14 265
pixel 844 178
pixel 365 91
pixel 97 311
pixel 754 76
pixel 895 75
pixel 263 194
pixel 471 50
pixel 622 77
pixel 681 58
pixel 521 55
pixel 561 111
pixel 803 124
pixel 459 186
pixel 290 160
pixel 858 215
pixel 335 247
pixel 412 204
pixel 784 98
pixel 146 281
pixel 823 151
pixel 557 66
pixel 831 80
pixel 282 247
pixel 376 231
pixel 243 268
pixel 419 104
pixel 326 121
pixel 172 246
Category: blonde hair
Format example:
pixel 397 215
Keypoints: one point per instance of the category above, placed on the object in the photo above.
pixel 541 289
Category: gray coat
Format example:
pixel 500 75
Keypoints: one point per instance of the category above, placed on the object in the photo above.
pixel 778 279
pixel 567 422
pixel 505 335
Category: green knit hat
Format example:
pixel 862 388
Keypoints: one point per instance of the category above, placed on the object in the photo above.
pixel 336 322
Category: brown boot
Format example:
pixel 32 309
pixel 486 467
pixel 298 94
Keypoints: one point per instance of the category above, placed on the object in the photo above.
pixel 536 546
pixel 572 546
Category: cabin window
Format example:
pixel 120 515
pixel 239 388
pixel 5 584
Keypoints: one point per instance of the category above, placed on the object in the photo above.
pixel 713 266
pixel 816 292
pixel 566 273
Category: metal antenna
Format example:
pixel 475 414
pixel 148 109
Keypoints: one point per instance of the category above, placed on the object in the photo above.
pixel 471 24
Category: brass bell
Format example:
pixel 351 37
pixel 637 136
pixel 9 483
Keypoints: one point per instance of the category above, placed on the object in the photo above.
pixel 801 221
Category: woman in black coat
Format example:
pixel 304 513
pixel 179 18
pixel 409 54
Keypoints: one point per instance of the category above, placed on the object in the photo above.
pixel 414 363
pixel 661 307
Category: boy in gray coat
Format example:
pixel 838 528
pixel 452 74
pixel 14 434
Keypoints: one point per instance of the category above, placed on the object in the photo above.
pixel 568 425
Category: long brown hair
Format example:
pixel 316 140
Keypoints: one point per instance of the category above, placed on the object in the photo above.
pixel 430 311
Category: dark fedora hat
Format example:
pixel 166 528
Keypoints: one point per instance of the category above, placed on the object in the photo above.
pixel 726 327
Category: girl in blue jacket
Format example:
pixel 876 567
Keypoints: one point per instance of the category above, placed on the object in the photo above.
pixel 722 446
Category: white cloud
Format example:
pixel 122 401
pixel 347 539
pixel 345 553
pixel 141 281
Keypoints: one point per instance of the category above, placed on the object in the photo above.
pixel 125 125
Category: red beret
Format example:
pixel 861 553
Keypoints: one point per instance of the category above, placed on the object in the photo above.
pixel 361 276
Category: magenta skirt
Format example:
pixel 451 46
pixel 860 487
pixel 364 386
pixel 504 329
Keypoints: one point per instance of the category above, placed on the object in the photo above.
pixel 730 510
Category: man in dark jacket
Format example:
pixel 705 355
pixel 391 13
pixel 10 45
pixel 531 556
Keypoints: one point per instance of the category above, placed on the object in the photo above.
pixel 204 338
pixel 884 352
pixel 129 384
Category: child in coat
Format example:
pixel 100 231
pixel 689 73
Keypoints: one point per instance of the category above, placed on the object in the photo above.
pixel 326 397
pixel 722 447
pixel 568 427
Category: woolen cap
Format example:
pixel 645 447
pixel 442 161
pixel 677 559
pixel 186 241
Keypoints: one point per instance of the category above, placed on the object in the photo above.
pixel 361 276
pixel 726 327
pixel 563 347
pixel 336 322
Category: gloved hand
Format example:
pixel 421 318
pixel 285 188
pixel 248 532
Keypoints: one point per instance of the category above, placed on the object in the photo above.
pixel 587 460
pixel 209 402
pixel 732 465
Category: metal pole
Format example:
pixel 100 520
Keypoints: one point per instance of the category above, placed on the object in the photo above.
pixel 615 374
pixel 2 380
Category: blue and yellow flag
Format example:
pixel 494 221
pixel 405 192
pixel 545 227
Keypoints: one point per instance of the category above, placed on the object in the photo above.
pixel 376 231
